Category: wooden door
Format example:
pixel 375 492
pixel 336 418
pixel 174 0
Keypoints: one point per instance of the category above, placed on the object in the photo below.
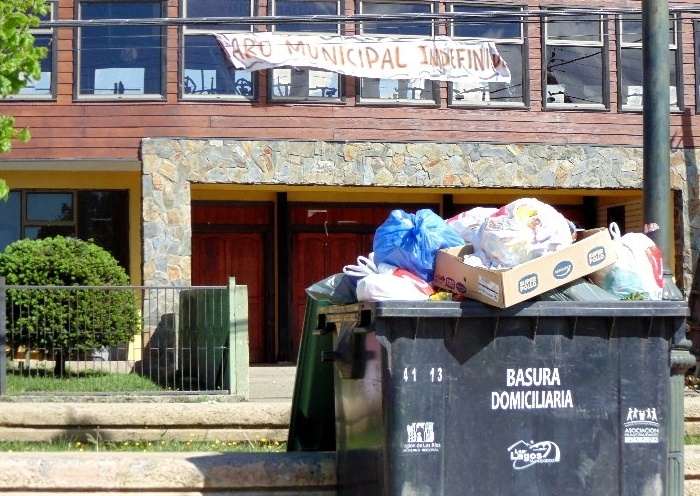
pixel 316 256
pixel 216 256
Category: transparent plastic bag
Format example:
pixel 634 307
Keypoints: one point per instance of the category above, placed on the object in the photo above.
pixel 521 231
pixel 638 271
pixel 467 223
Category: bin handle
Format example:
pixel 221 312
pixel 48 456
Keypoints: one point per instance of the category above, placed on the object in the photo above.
pixel 329 356
pixel 328 328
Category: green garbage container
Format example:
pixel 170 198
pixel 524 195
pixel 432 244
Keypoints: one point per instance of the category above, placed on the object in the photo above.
pixel 312 419
pixel 541 399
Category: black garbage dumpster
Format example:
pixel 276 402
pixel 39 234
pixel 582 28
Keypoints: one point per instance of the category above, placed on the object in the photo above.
pixel 543 398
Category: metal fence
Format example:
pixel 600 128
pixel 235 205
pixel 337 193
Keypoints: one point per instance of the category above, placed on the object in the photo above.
pixel 122 339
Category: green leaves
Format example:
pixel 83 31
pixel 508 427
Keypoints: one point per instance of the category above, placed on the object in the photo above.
pixel 67 318
pixel 4 190
pixel 19 57
pixel 8 133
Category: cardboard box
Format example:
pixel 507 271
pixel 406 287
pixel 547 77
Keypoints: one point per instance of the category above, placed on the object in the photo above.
pixel 506 287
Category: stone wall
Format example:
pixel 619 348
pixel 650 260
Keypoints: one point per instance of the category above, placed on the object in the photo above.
pixel 171 165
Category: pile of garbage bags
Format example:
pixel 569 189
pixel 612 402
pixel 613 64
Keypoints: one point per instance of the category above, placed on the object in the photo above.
pixel 402 263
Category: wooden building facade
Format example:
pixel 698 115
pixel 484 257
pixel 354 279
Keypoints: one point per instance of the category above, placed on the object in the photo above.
pixel 190 171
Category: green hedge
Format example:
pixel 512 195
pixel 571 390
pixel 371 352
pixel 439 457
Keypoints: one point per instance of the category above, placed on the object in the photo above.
pixel 62 318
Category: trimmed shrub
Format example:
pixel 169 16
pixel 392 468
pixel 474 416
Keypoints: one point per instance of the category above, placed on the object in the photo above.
pixel 60 320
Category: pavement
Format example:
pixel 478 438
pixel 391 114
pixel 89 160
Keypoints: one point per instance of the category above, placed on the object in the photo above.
pixel 266 414
pixel 271 382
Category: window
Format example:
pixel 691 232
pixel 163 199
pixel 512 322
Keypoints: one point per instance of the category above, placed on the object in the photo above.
pixel 120 61
pixel 206 73
pixel 43 87
pixel 98 215
pixel 377 90
pixel 11 225
pixel 299 83
pixel 575 65
pixel 631 75
pixel 507 32
pixel 48 214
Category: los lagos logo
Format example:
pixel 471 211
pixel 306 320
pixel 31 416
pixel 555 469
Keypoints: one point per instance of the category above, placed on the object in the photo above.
pixel 524 454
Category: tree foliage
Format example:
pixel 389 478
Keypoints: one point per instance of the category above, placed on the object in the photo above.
pixel 19 58
pixel 66 319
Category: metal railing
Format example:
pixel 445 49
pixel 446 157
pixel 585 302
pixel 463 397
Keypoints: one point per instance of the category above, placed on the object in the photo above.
pixel 123 339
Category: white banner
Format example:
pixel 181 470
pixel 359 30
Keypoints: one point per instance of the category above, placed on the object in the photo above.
pixel 441 58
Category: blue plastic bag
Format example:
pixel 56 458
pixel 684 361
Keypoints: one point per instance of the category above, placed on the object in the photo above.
pixel 411 241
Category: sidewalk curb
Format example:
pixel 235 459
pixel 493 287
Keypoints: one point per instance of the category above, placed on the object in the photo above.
pixel 168 473
pixel 119 422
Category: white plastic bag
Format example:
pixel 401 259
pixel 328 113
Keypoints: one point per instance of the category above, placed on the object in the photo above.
pixel 420 284
pixel 383 281
pixel 521 231
pixel 468 223
pixel 364 266
pixel 638 270
pixel 387 286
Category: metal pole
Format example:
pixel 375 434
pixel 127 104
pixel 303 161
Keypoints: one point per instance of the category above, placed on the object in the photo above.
pixel 657 211
pixel 656 119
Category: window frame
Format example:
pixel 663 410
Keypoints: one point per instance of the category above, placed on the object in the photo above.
pixel 676 47
pixel 391 102
pixel 52 35
pixel 27 223
pixel 338 98
pixel 80 225
pixel 185 31
pixel 522 41
pixel 602 42
pixel 78 43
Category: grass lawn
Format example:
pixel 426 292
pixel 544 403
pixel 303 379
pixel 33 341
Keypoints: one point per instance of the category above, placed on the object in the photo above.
pixel 83 382
pixel 96 445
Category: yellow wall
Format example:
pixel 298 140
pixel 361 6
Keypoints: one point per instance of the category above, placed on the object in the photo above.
pixel 131 180
pixel 634 215
pixel 128 180
pixel 460 196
